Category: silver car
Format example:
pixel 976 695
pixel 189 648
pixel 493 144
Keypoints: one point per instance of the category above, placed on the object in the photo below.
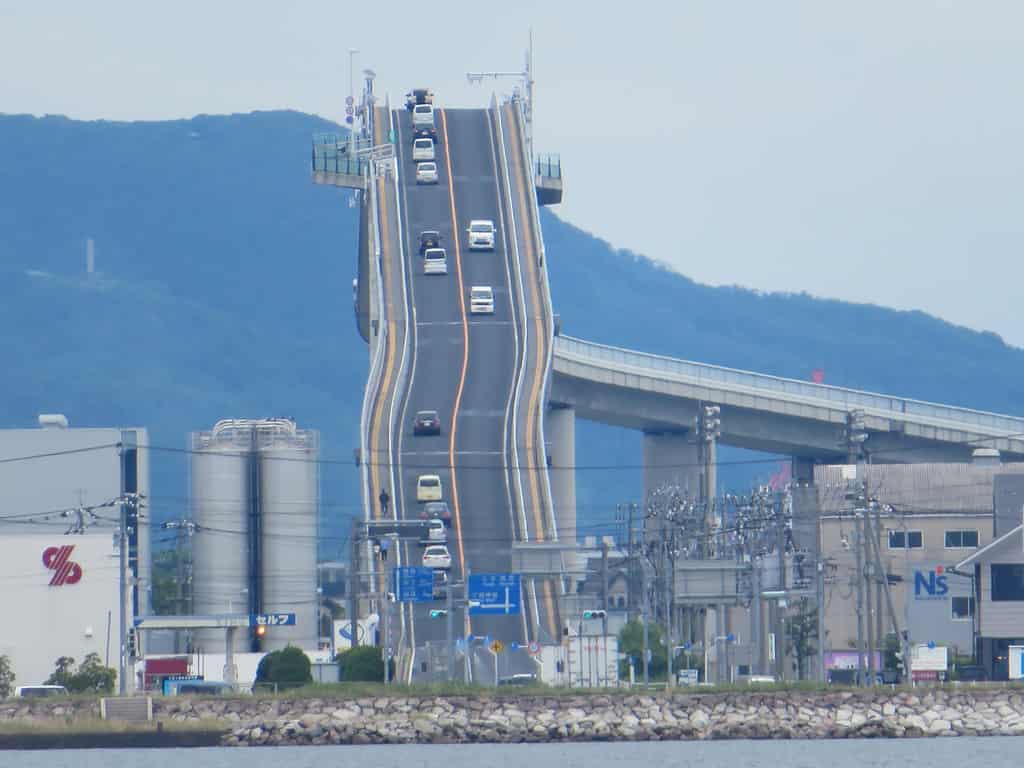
pixel 426 173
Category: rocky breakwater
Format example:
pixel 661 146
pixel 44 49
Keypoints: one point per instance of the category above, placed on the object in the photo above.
pixel 775 715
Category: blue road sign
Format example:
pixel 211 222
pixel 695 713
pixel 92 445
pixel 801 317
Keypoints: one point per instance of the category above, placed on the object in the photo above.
pixel 514 646
pixel 492 594
pixel 412 584
pixel 272 620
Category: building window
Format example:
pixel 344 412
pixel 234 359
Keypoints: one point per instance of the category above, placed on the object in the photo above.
pixel 905 540
pixel 961 539
pixel 1007 582
pixel 963 608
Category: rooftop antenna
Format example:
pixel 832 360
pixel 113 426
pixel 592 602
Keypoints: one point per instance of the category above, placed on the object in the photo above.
pixel 527 77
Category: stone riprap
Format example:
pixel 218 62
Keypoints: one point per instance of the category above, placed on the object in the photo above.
pixel 512 718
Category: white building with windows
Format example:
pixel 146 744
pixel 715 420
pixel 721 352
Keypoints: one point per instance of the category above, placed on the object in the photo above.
pixel 998 579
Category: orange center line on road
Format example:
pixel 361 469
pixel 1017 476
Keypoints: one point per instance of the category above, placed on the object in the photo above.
pixel 465 346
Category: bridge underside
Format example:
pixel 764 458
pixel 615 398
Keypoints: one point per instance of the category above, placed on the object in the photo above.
pixel 810 432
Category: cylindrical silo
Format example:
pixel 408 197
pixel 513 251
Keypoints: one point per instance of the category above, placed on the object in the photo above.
pixel 221 508
pixel 288 531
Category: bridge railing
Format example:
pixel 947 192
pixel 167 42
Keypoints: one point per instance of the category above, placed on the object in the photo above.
pixel 824 394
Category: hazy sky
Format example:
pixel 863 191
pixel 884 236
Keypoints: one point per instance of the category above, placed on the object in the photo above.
pixel 869 151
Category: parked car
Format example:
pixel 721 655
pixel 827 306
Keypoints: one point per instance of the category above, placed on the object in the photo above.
pixel 436 510
pixel 481 235
pixel 426 173
pixel 481 300
pixel 423 149
pixel 428 488
pixel 426 423
pixel 40 691
pixel 437 556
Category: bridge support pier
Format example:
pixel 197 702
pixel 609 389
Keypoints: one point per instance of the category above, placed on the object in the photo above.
pixel 560 432
pixel 671 458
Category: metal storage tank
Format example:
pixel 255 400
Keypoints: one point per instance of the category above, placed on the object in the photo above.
pixel 288 531
pixel 221 506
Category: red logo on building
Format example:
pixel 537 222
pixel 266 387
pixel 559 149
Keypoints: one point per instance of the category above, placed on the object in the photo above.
pixel 58 560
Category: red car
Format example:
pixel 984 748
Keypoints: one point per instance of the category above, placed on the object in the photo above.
pixel 436 509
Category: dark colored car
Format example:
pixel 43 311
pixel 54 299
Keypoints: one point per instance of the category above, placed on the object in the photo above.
pixel 440 580
pixel 427 423
pixel 438 509
pixel 424 132
pixel 429 239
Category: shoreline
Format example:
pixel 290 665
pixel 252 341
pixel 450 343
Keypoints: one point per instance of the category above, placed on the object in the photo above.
pixel 409 717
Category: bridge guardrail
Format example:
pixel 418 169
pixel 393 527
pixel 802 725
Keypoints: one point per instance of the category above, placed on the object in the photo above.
pixel 836 397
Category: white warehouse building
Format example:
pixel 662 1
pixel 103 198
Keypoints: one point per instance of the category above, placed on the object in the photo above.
pixel 61 491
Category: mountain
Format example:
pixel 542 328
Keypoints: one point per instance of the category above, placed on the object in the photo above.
pixel 223 288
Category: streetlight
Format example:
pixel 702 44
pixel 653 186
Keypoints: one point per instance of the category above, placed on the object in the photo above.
pixel 350 105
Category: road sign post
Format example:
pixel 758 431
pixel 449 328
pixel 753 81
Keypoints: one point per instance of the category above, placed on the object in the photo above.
pixel 412 583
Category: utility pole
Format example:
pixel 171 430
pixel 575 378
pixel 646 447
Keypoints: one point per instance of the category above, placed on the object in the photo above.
pixel 353 582
pixel 645 612
pixel 869 575
pixel 604 607
pixel 449 630
pixel 668 606
pixel 855 435
pixel 820 598
pixel 859 584
pixel 631 594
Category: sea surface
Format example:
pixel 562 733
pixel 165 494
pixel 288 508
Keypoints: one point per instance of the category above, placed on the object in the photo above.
pixel 994 752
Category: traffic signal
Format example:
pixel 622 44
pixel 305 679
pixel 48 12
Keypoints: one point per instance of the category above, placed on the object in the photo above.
pixel 438 614
pixel 260 630
pixel 594 614
pixel 256 638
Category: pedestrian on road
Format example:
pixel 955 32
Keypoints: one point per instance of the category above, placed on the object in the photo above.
pixel 385 499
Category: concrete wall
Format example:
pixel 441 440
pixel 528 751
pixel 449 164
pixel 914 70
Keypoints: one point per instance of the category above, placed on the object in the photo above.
pixel 560 432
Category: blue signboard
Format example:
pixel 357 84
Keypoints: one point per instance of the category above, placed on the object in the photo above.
pixel 412 584
pixel 272 620
pixel 494 594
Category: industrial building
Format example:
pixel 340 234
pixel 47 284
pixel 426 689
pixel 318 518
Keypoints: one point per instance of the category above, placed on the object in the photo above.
pixel 63 491
pixel 255 505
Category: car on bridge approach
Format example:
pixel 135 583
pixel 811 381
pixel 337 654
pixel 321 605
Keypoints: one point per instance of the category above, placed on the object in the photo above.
pixel 429 238
pixel 426 423
pixel 481 300
pixel 426 173
pixel 418 96
pixel 437 556
pixel 428 488
pixel 481 235
pixel 423 149
pixel 436 510
pixel 435 262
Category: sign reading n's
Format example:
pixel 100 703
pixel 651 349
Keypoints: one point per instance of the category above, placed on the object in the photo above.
pixel 931 585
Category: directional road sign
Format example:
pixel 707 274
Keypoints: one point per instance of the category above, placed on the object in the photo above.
pixel 272 620
pixel 494 594
pixel 412 584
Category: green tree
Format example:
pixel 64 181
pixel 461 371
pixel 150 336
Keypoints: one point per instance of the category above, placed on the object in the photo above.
pixel 288 667
pixel 362 663
pixel 631 643
pixel 90 677
pixel 6 677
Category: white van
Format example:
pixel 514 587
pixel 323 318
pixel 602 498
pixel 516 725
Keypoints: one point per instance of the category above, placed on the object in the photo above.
pixel 428 488
pixel 422 149
pixel 435 262
pixel 423 116
pixel 481 300
pixel 40 691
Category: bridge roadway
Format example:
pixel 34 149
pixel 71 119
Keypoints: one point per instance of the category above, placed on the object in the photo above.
pixel 654 393
pixel 467 367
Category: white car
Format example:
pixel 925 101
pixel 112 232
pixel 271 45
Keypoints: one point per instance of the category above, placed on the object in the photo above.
pixel 423 116
pixel 437 556
pixel 426 173
pixel 435 262
pixel 428 488
pixel 481 235
pixel 423 149
pixel 436 533
pixel 481 300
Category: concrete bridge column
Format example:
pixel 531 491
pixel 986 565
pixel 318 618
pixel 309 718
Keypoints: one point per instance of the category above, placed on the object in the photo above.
pixel 560 433
pixel 671 458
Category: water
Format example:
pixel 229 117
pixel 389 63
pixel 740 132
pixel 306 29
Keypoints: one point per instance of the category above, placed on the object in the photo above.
pixel 995 752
